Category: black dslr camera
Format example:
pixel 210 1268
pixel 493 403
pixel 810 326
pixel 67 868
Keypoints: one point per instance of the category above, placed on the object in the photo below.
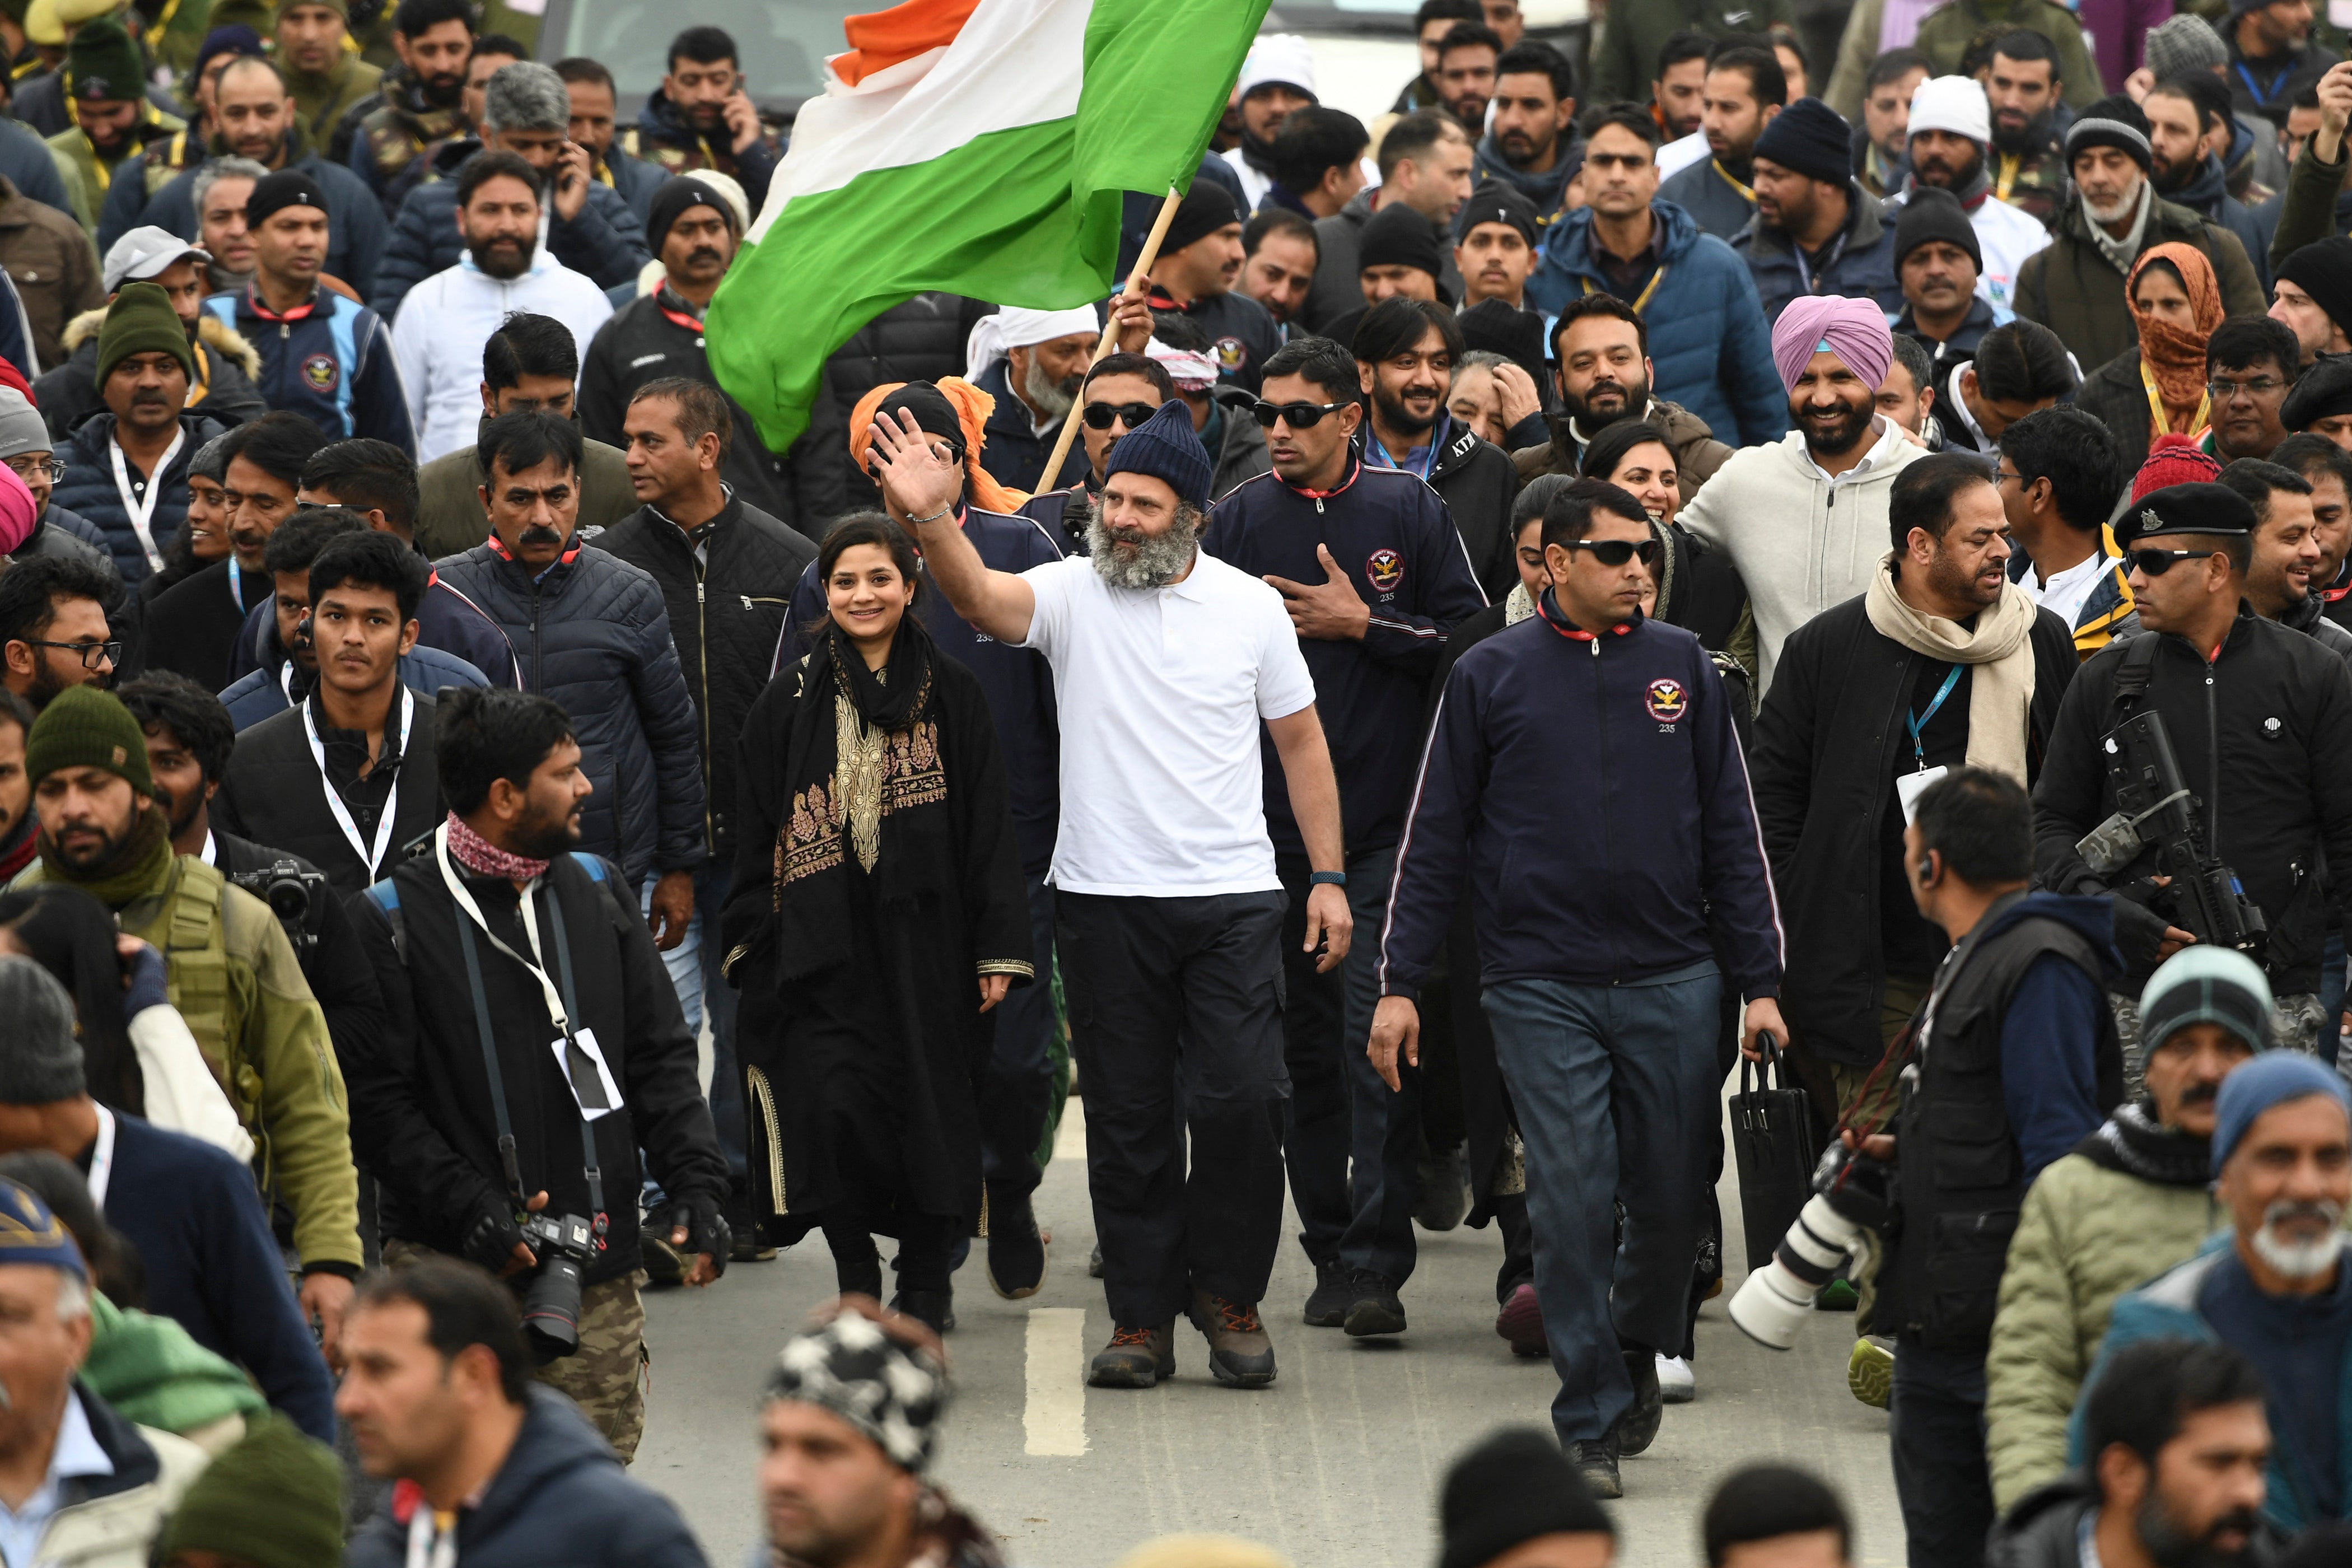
pixel 565 1244
pixel 292 894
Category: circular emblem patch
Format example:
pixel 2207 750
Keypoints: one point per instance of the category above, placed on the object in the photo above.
pixel 321 372
pixel 1666 700
pixel 1384 568
pixel 1231 353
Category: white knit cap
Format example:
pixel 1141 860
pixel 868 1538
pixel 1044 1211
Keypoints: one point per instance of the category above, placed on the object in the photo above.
pixel 1013 327
pixel 1953 103
pixel 1281 58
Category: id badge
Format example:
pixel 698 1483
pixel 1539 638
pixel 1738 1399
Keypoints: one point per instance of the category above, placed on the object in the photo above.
pixel 1909 788
pixel 568 1052
pixel 2339 13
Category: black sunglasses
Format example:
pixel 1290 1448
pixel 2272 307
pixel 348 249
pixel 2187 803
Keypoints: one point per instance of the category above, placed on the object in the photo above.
pixel 2156 562
pixel 1615 551
pixel 1098 416
pixel 1299 416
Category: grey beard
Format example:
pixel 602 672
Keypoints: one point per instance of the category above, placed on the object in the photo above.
pixel 1054 400
pixel 1156 563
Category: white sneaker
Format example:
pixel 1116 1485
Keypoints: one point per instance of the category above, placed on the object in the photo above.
pixel 1675 1382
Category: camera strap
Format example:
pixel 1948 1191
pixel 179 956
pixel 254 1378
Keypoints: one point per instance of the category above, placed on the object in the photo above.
pixel 370 857
pixel 586 1068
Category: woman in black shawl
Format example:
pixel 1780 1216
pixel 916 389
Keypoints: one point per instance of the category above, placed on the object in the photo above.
pixel 877 914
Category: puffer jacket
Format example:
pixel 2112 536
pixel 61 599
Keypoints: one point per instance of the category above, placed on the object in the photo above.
pixel 922 339
pixel 726 613
pixel 593 634
pixel 2091 1230
pixel 1860 263
pixel 89 489
pixel 2071 286
pixel 605 241
pixel 1708 339
pixel 356 230
pixel 55 535
pixel 1698 454
pixel 223 390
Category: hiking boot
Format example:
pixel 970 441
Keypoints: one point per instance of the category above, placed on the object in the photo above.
pixel 1241 1353
pixel 933 1308
pixel 1597 1463
pixel 1444 1191
pixel 1637 1428
pixel 1334 1293
pixel 1870 1372
pixel 1016 1249
pixel 1375 1310
pixel 1521 1322
pixel 1135 1358
pixel 1676 1384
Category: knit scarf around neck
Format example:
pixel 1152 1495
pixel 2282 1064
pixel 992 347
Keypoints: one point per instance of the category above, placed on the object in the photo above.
pixel 2000 649
pixel 2133 1141
pixel 2122 253
pixel 484 859
pixel 129 871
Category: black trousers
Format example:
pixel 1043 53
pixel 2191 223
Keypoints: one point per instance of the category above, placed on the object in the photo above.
pixel 1936 1420
pixel 1156 988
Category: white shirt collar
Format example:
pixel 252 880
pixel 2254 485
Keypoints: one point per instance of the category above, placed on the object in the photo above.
pixel 1889 438
pixel 2063 594
pixel 206 853
pixel 1969 415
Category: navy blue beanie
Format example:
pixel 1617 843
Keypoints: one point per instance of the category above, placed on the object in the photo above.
pixel 1167 448
pixel 2267 1081
pixel 1809 138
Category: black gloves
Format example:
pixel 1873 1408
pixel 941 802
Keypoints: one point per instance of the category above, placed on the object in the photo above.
pixel 491 1239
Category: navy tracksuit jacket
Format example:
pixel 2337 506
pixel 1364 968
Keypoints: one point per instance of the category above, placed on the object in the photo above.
pixel 331 362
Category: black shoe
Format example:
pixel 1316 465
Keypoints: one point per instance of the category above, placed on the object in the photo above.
pixel 1597 1463
pixel 1135 1358
pixel 1444 1190
pixel 1334 1293
pixel 934 1308
pixel 1093 1262
pixel 1241 1353
pixel 1016 1252
pixel 1637 1428
pixel 749 1246
pixel 1375 1310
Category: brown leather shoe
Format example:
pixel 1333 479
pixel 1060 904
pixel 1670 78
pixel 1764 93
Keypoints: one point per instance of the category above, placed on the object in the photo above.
pixel 1135 1358
pixel 1241 1353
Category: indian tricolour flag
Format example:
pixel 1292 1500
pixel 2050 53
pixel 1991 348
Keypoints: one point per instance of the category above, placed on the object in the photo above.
pixel 977 146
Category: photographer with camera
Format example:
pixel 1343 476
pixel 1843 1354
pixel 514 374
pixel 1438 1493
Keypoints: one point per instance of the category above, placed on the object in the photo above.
pixel 2253 717
pixel 532 1045
pixel 2014 1061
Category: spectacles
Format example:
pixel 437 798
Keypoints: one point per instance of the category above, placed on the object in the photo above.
pixel 2222 391
pixel 1615 551
pixel 1098 416
pixel 2156 562
pixel 26 467
pixel 1297 416
pixel 92 652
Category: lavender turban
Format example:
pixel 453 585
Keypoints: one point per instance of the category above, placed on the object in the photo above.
pixel 1853 330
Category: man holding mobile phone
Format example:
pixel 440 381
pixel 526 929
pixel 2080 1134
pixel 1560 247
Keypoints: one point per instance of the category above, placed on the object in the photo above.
pixel 700 117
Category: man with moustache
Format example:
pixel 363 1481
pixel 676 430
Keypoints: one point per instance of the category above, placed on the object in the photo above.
pixel 219 192
pixel 2026 95
pixel 1745 90
pixel 1405 353
pixel 383 137
pixel 1950 131
pixel 53 628
pixel 1197 272
pixel 1601 354
pixel 1033 364
pixel 2184 119
pixel 18 826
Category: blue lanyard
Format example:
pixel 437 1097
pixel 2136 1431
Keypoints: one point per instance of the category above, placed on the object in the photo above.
pixel 1381 454
pixel 1919 722
pixel 235 582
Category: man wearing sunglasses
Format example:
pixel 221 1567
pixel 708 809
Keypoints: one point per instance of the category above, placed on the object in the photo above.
pixel 1585 779
pixel 1373 576
pixel 2260 717
pixel 1120 392
pixel 53 631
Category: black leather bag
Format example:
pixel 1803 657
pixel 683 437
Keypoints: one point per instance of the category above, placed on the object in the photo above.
pixel 1774 1140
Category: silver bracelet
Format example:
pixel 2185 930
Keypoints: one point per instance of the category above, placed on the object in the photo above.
pixel 947 511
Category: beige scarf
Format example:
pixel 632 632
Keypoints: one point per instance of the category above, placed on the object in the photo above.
pixel 2001 690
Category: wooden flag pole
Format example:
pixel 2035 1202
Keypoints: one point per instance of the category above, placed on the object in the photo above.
pixel 1143 263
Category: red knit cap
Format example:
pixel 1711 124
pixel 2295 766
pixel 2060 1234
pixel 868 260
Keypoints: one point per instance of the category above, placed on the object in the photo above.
pixel 2174 460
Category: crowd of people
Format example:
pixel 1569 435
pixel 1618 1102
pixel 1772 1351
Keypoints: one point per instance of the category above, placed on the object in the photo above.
pixel 1484 630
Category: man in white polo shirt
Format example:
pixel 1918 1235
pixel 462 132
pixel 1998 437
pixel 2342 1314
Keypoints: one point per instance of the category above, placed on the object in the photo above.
pixel 1167 905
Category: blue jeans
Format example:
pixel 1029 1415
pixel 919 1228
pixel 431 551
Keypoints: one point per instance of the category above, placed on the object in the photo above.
pixel 700 986
pixel 1616 1091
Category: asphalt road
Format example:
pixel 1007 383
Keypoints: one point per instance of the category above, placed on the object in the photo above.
pixel 1338 1464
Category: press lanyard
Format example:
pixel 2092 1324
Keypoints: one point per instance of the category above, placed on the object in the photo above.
pixel 2010 162
pixel 101 1159
pixel 432 1538
pixel 555 1008
pixel 235 582
pixel 374 858
pixel 2156 407
pixel 1746 193
pixel 1919 722
pixel 139 512
pixel 1641 300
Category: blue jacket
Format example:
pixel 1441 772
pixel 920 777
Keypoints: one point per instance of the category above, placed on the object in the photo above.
pixel 592 633
pixel 1708 339
pixel 1395 541
pixel 332 364
pixel 260 694
pixel 1714 203
pixel 1859 262
pixel 447 622
pixel 1017 682
pixel 560 1497
pixel 606 242
pixel 89 489
pixel 2179 1303
pixel 212 1267
pixel 355 226
pixel 1592 791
